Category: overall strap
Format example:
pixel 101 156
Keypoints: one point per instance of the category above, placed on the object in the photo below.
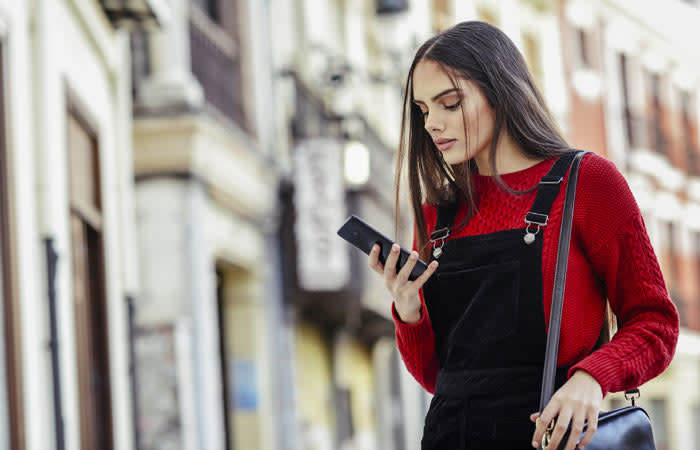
pixel 547 192
pixel 539 213
pixel 549 189
pixel 445 218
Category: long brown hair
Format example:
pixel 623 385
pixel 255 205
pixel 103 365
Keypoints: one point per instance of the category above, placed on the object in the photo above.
pixel 484 55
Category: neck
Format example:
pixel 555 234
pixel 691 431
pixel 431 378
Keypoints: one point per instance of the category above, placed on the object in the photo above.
pixel 510 157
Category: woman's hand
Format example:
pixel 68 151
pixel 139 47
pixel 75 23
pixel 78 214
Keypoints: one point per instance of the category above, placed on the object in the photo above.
pixel 403 291
pixel 576 401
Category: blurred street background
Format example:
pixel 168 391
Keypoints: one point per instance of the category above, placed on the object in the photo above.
pixel 173 173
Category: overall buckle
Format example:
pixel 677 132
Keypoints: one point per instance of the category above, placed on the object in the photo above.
pixel 439 236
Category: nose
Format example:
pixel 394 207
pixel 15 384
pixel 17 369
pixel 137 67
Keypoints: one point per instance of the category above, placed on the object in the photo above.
pixel 433 123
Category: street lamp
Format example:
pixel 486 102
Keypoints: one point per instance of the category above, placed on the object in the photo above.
pixel 356 164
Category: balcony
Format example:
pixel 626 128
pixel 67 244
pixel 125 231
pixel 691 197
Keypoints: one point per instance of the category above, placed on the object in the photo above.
pixel 216 63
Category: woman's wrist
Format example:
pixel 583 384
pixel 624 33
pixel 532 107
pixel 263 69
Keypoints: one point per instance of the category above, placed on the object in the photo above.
pixel 409 316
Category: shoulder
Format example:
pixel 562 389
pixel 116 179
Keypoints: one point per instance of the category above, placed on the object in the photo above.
pixel 604 200
pixel 598 175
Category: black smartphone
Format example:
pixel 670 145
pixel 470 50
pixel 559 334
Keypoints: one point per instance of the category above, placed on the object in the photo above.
pixel 363 236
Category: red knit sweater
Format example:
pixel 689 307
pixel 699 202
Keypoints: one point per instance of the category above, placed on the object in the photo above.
pixel 610 257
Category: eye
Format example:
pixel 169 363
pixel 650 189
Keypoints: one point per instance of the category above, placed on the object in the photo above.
pixel 453 106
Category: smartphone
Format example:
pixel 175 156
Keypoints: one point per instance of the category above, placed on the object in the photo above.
pixel 364 236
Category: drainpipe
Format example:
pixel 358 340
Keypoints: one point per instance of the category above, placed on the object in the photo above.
pixel 51 260
pixel 132 371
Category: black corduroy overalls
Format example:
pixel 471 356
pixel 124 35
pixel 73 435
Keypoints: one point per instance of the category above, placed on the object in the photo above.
pixel 485 302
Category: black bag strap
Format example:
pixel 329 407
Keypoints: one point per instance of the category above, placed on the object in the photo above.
pixel 552 350
pixel 550 362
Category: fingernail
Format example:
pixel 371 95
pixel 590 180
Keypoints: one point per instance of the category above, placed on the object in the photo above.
pixel 395 248
pixel 535 444
pixel 433 264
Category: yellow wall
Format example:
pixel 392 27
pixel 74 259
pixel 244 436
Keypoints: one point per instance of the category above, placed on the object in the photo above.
pixel 356 374
pixel 314 381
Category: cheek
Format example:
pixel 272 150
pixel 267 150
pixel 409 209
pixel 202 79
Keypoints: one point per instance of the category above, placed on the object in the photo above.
pixel 483 121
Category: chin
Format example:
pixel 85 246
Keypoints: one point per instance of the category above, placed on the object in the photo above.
pixel 455 158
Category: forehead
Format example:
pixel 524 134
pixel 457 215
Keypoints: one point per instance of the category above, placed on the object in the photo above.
pixel 429 79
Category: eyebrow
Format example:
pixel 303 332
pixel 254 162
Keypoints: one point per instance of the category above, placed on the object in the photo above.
pixel 443 93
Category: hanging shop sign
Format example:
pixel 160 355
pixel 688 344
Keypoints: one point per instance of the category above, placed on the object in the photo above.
pixel 319 200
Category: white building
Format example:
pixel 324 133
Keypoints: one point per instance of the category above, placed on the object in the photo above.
pixel 211 367
pixel 633 68
pixel 66 204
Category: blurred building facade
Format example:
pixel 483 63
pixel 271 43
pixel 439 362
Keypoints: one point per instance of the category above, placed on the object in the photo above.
pixel 212 369
pixel 68 261
pixel 633 81
pixel 175 192
pixel 343 95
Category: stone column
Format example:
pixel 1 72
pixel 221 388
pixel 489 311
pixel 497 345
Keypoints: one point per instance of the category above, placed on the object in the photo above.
pixel 171 83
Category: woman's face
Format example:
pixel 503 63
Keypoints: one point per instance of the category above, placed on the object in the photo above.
pixel 446 110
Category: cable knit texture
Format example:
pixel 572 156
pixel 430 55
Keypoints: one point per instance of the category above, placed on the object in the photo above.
pixel 611 258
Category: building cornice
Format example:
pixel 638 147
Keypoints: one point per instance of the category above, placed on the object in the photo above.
pixel 195 144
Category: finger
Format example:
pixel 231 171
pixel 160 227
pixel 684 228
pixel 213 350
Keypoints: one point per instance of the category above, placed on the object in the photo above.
pixel 420 281
pixel 534 417
pixel 591 427
pixel 390 265
pixel 576 430
pixel 548 414
pixel 373 261
pixel 402 277
pixel 563 420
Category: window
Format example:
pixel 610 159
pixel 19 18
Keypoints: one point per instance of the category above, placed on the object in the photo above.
pixel 4 413
pixel 632 142
pixel 688 143
pixel 582 41
pixel 673 268
pixel 89 296
pixel 11 407
pixel 225 359
pixel 658 138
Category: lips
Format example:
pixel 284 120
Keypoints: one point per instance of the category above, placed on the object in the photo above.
pixel 445 144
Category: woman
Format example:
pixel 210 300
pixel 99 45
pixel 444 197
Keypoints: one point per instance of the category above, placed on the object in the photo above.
pixel 479 140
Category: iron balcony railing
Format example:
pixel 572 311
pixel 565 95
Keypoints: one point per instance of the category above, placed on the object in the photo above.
pixel 216 64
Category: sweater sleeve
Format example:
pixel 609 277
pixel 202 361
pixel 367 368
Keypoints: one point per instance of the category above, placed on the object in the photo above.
pixel 416 342
pixel 624 259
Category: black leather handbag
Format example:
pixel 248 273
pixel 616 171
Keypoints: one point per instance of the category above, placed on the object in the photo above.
pixel 621 429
